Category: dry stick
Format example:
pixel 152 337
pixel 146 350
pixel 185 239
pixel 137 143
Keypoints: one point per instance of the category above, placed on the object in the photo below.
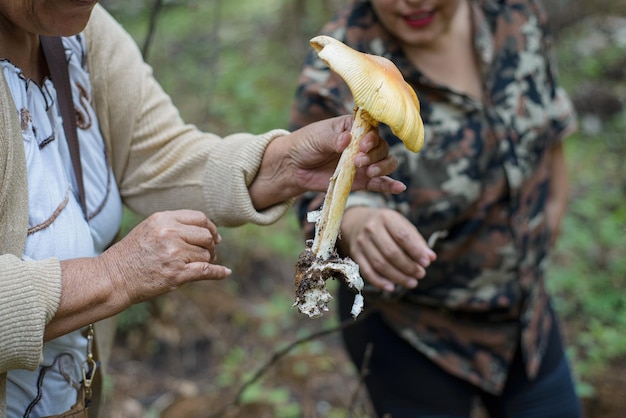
pixel 154 14
pixel 283 352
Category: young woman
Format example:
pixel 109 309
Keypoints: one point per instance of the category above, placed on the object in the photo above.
pixel 487 192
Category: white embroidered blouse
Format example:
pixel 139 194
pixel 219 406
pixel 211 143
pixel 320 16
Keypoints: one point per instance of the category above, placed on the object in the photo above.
pixel 57 225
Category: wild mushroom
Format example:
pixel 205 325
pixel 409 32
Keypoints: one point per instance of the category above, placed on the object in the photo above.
pixel 380 95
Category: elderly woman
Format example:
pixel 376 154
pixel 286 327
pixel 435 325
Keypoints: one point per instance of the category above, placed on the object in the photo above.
pixel 62 188
pixel 487 192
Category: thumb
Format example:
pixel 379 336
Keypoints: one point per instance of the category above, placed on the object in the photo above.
pixel 342 141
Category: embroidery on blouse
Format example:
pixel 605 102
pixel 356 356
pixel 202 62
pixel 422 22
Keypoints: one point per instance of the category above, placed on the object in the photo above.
pixel 83 118
pixel 55 214
pixel 25 118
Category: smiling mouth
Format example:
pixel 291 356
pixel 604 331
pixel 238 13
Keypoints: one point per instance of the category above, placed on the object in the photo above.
pixel 420 18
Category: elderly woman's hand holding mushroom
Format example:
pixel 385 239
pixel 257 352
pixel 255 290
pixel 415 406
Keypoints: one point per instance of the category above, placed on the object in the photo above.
pixel 305 159
pixel 380 95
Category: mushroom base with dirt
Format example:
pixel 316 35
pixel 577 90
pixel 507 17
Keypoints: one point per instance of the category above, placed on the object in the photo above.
pixel 312 271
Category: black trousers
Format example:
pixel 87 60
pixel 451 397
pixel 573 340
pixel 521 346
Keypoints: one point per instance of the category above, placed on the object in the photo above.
pixel 403 383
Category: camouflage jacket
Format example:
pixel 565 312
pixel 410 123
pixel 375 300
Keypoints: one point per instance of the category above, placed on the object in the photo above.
pixel 482 178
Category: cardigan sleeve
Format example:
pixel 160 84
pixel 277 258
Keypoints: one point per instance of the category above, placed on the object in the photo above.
pixel 160 162
pixel 31 291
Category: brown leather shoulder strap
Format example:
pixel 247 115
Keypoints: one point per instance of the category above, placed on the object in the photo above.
pixel 57 64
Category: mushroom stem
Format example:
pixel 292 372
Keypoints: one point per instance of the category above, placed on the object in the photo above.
pixel 380 95
pixel 329 223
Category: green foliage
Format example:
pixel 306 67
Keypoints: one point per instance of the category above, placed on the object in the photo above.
pixel 132 317
pixel 590 265
pixel 228 68
pixel 129 220
pixel 586 62
pixel 589 270
pixel 284 405
pixel 282 238
pixel 230 367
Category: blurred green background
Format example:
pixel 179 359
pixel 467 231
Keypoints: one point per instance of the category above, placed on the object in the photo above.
pixel 232 66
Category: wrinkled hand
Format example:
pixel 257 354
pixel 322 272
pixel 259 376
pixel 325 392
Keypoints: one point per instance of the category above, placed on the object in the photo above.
pixel 165 251
pixel 389 249
pixel 316 152
pixel 306 159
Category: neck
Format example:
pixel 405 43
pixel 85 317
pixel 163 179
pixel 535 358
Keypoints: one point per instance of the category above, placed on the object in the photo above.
pixel 451 60
pixel 23 50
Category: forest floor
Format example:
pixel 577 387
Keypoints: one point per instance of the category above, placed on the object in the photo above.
pixel 201 344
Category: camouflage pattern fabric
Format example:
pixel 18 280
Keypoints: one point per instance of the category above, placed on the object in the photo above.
pixel 482 178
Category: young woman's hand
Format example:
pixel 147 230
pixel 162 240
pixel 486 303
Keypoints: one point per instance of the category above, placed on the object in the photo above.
pixel 389 250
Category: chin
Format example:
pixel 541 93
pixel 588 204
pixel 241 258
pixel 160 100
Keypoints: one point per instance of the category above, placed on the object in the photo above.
pixel 75 30
pixel 71 25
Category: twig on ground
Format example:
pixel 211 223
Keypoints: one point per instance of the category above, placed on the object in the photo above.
pixel 277 355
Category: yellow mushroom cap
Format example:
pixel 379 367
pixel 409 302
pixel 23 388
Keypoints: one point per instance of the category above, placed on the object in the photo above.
pixel 377 87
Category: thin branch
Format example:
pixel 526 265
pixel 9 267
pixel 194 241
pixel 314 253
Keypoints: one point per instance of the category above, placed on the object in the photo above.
pixel 154 14
pixel 282 353
pixel 214 56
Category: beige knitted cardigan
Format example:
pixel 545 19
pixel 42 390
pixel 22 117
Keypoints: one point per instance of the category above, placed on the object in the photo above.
pixel 160 163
